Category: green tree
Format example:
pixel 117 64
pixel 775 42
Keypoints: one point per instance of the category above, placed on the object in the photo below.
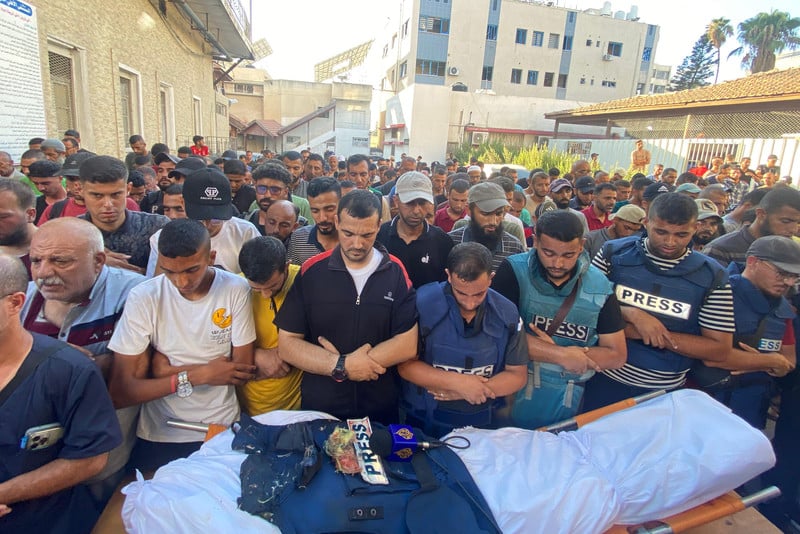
pixel 718 31
pixel 696 68
pixel 765 35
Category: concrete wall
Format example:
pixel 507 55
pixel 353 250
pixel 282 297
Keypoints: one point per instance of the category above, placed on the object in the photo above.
pixel 162 50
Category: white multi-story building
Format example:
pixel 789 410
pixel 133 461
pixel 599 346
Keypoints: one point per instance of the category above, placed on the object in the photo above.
pixel 456 71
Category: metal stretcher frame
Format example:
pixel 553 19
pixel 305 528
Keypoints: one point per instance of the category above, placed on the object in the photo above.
pixel 722 506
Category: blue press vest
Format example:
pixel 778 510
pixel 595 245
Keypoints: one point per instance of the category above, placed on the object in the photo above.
pixel 539 301
pixel 750 307
pixel 446 347
pixel 674 296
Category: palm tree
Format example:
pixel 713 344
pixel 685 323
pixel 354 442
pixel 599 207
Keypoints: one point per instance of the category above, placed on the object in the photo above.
pixel 718 31
pixel 765 35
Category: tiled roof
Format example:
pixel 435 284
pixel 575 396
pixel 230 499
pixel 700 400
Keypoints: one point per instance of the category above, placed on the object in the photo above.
pixel 772 85
pixel 267 127
pixel 237 123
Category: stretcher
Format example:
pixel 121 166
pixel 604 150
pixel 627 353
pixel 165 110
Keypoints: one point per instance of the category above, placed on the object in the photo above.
pixel 724 504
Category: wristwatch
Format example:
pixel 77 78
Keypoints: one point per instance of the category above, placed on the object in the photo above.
pixel 339 373
pixel 184 386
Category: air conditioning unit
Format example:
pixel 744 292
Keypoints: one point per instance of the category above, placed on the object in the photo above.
pixel 453 71
pixel 479 138
pixel 607 57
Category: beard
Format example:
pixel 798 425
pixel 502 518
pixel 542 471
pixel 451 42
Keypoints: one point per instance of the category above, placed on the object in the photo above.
pixel 488 240
pixel 17 237
pixel 562 203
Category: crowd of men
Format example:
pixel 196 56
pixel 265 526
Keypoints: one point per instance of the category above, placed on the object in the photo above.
pixel 190 287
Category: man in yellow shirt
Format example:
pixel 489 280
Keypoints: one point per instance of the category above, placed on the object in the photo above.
pixel 277 385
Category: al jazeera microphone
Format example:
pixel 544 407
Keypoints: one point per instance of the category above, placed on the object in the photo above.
pixel 398 443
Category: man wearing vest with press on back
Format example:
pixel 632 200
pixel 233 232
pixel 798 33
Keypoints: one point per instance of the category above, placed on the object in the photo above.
pixel 677 304
pixel 575 326
pixel 472 349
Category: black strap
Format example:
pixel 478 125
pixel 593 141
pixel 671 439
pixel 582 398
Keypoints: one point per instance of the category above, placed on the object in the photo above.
pixel 57 209
pixel 563 310
pixel 27 368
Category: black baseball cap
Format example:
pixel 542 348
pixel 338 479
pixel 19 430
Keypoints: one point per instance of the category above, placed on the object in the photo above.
pixel 584 184
pixel 72 165
pixel 186 166
pixel 161 157
pixel 655 189
pixel 207 195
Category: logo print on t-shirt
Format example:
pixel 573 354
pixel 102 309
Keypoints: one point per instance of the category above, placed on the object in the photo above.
pixel 220 318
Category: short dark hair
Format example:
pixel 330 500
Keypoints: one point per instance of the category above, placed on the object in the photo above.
pixel 687 178
pixel 36 141
pixel 669 170
pixel 234 166
pixel 755 196
pixel 25 197
pixel 602 186
pixel 159 148
pixel 673 208
pixel 72 133
pixel 562 225
pixel 136 178
pixel 505 182
pixel 640 183
pixel 44 168
pixel 323 184
pixel 103 170
pixel 291 155
pixel 184 150
pixel 273 172
pixel 135 138
pixel 439 169
pixel 537 175
pixel 315 157
pixel 459 184
pixel 355 159
pixel 360 203
pixel 261 257
pixel 182 238
pixel 621 183
pixel 345 184
pixel 780 197
pixel 469 260
pixel 33 153
pixel 174 189
pixel 197 138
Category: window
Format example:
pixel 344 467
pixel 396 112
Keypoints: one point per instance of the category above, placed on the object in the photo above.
pixel 571 16
pixel 130 101
pixel 167 107
pixel 614 49
pixel 516 75
pixel 583 81
pixel 598 43
pixel 385 50
pixel 429 67
pixel 394 40
pixel 562 81
pixel 486 74
pixel 607 83
pixel 658 89
pixel 538 38
pixel 434 24
pixel 405 28
pixel 662 75
pixel 591 82
pixel 403 69
pixel 548 79
pixel 197 115
pixel 243 88
pixel 62 89
pixel 533 77
pixel 646 53
pixel 554 40
pixel 640 88
pixel 221 109
pixel 491 32
pixel 494 5
pixel 567 45
pixel 522 36
pixel 588 43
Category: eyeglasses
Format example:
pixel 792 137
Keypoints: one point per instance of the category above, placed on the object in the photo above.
pixel 274 189
pixel 789 278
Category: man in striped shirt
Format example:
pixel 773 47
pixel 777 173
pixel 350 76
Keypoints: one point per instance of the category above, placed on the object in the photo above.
pixel 677 304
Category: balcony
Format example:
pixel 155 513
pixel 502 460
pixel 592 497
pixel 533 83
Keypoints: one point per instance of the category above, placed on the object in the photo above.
pixel 223 23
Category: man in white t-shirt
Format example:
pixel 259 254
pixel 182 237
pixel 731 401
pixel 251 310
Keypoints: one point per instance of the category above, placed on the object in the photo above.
pixel 184 340
pixel 207 198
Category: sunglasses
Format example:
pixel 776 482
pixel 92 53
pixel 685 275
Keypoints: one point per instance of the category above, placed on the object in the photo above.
pixel 274 189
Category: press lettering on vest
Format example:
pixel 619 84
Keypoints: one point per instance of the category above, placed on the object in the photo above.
pixel 652 303
pixel 486 370
pixel 371 467
pixel 576 332
pixel 770 345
